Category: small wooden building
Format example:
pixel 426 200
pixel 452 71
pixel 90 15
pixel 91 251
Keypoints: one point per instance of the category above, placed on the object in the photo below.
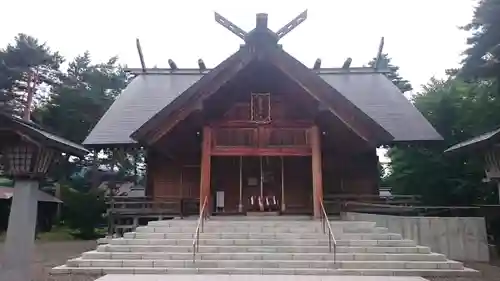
pixel 260 124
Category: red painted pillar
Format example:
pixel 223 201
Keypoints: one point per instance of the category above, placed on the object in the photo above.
pixel 317 176
pixel 206 148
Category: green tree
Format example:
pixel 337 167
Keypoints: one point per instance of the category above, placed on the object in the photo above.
pixel 482 58
pixel 403 84
pixel 85 93
pixel 458 111
pixel 83 212
pixel 76 104
pixel 26 58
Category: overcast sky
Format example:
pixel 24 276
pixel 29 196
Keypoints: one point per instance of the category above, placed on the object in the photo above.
pixel 421 36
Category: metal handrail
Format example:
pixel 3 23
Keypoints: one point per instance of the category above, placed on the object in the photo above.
pixel 199 227
pixel 325 223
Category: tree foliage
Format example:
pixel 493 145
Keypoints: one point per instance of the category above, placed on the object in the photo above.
pixel 482 58
pixel 85 93
pixel 83 212
pixel 18 61
pixel 75 105
pixel 458 111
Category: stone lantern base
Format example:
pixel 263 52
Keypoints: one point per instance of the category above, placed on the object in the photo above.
pixel 20 240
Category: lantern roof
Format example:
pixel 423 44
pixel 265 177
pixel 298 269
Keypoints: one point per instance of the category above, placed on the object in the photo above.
pixel 39 135
pixel 481 142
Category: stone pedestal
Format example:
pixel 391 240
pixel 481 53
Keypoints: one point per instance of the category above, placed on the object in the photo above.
pixel 20 240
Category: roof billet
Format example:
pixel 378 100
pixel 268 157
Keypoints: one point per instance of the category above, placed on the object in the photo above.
pixel 197 71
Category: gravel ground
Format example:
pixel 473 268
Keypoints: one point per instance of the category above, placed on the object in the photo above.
pixel 50 254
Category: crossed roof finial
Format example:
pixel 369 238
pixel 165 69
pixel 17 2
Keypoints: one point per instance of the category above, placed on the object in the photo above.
pixel 261 24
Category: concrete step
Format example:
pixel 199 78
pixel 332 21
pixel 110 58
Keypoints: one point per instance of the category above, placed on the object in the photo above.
pixel 235 223
pixel 254 219
pixel 246 235
pixel 260 242
pixel 256 242
pixel 79 262
pixel 376 232
pixel 261 249
pixel 261 256
pixel 209 227
pixel 75 271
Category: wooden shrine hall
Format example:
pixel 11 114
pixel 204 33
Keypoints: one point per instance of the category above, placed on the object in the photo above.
pixel 260 132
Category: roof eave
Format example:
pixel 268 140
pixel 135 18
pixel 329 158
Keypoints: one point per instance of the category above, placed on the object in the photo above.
pixel 37 133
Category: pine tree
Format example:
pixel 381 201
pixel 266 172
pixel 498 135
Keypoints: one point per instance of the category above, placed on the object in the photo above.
pixel 26 58
pixel 482 58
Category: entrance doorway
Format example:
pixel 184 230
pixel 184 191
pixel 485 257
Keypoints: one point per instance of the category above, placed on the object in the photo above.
pixel 285 182
pixel 262 183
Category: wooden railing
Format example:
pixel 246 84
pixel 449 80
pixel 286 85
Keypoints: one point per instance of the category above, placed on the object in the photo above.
pixel 145 205
pixel 335 203
pixel 199 228
pixel 327 228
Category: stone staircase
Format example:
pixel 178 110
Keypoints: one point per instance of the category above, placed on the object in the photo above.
pixel 263 245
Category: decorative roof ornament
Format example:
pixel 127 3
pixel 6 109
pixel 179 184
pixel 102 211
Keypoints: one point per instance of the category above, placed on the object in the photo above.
pixel 261 28
pixel 380 63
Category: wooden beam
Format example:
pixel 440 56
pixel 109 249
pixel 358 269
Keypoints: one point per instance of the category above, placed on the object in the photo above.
pixel 284 124
pixel 254 151
pixel 352 117
pixel 205 167
pixel 317 176
pixel 166 119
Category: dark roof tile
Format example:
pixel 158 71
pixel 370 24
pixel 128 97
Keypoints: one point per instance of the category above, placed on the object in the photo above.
pixel 373 93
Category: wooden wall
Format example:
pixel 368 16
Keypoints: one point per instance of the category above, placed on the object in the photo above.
pixel 342 174
pixel 298 184
pixel 172 178
pixel 225 177
pixel 350 174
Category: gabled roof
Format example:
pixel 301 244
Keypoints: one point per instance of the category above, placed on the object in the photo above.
pixel 366 102
pixel 371 92
pixel 378 97
pixel 144 96
pixel 482 141
pixel 339 105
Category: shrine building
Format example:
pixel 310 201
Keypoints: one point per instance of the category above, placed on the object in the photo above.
pixel 261 125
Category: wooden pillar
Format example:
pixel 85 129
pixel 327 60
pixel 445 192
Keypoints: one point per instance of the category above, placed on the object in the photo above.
pixel 317 177
pixel 206 148
pixel 283 206
pixel 261 179
pixel 150 187
pixel 240 205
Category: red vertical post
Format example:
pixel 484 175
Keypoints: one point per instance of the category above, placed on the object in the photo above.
pixel 206 148
pixel 317 176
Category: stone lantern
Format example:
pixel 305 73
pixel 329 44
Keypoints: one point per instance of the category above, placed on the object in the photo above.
pixel 27 153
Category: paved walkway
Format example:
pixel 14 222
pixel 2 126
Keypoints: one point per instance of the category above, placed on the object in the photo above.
pixel 126 277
